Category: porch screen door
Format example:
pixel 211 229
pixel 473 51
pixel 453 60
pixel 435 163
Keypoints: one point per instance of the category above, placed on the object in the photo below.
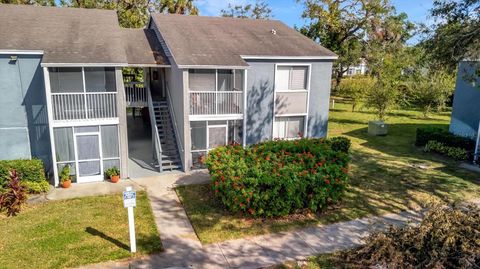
pixel 89 165
pixel 217 136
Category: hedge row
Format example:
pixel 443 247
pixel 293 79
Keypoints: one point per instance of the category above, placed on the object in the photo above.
pixel 31 173
pixel 443 136
pixel 452 152
pixel 280 177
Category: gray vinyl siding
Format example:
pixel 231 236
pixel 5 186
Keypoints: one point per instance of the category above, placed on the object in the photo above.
pixel 466 114
pixel 260 98
pixel 23 121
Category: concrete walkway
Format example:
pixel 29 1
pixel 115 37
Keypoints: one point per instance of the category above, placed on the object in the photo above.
pixel 184 250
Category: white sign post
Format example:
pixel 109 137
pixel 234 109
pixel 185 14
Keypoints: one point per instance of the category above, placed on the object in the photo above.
pixel 130 201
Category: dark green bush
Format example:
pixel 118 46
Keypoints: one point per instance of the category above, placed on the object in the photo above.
pixel 443 136
pixel 448 237
pixel 276 178
pixel 31 173
pixel 340 143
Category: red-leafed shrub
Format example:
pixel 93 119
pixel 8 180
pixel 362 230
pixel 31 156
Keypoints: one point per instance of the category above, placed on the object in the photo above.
pixel 14 197
pixel 277 178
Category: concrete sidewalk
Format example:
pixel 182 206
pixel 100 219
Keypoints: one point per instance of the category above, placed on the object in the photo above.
pixel 184 250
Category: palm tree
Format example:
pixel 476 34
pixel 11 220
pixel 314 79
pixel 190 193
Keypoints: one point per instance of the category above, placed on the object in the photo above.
pixel 185 7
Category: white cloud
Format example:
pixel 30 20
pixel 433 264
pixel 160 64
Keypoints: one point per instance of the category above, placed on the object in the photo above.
pixel 213 7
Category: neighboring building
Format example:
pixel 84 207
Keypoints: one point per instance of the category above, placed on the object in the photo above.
pixel 360 69
pixel 466 112
pixel 207 82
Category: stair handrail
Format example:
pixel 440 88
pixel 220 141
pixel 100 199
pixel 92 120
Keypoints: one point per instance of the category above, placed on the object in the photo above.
pixel 172 112
pixel 155 135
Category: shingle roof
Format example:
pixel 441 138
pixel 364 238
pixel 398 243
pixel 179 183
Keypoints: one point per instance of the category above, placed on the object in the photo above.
pixel 66 35
pixel 142 47
pixel 197 40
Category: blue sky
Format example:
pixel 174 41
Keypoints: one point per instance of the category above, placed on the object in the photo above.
pixel 290 11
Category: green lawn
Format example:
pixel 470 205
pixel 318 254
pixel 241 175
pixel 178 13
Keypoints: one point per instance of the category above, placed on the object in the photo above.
pixel 384 171
pixel 75 232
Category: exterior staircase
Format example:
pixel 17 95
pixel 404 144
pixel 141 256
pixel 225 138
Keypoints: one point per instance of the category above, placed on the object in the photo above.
pixel 170 156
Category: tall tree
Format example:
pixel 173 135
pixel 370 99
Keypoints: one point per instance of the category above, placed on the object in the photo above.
pixel 30 2
pixel 340 25
pixel 455 33
pixel 185 7
pixel 135 13
pixel 259 10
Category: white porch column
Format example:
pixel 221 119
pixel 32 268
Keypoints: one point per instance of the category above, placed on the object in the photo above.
pixel 122 123
pixel 48 95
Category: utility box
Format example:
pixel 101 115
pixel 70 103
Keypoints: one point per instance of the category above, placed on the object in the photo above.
pixel 377 128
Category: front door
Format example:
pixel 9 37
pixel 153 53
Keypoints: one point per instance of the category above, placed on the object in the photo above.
pixel 89 165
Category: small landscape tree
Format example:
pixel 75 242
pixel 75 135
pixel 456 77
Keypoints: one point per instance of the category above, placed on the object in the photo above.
pixel 356 89
pixel 432 91
pixel 382 97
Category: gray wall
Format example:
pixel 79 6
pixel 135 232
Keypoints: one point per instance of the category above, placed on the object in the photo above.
pixel 260 94
pixel 466 112
pixel 177 79
pixel 319 99
pixel 23 121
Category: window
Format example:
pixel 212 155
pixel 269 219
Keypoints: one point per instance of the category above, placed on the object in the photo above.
pixel 206 135
pixel 201 80
pixel 226 80
pixel 100 79
pixel 291 78
pixel 288 127
pixel 66 79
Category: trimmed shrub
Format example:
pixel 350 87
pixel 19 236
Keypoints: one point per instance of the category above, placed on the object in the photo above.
pixel 448 237
pixel 443 136
pixel 31 173
pixel 276 178
pixel 340 143
pixel 452 152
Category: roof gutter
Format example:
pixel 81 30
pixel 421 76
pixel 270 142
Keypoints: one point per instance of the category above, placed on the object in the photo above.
pixel 212 67
pixel 269 57
pixel 84 64
pixel 22 52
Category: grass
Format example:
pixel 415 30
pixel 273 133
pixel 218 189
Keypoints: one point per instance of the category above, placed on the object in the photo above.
pixel 76 232
pixel 385 178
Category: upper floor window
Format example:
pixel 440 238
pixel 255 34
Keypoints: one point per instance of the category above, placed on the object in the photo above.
pixel 216 91
pixel 71 79
pixel 292 78
pixel 215 80
pixel 80 93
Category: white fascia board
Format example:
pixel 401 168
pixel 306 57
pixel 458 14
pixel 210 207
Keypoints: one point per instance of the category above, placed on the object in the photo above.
pixel 84 64
pixel 22 52
pixel 149 65
pixel 213 67
pixel 264 57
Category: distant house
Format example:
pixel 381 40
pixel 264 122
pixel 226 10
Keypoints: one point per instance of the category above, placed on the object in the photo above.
pixel 466 102
pixel 359 69
pixel 207 82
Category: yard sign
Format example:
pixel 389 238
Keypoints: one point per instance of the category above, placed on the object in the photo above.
pixel 130 201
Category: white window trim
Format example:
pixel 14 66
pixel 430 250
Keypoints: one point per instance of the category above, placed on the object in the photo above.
pixel 309 76
pixel 288 116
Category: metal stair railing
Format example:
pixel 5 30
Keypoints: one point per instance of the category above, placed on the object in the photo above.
pixel 155 135
pixel 174 121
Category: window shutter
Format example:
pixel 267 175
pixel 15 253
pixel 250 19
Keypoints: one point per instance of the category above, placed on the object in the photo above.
pixel 283 74
pixel 298 78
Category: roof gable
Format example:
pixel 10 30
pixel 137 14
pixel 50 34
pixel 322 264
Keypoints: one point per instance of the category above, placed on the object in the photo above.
pixel 196 40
